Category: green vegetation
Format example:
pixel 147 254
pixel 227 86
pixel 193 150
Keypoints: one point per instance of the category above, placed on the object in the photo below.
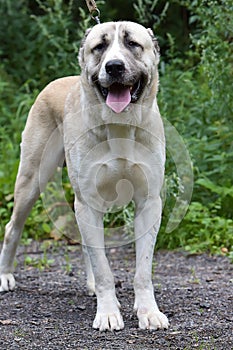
pixel 39 43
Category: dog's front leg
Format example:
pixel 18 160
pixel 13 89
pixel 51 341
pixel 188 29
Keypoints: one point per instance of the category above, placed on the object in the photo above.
pixel 147 222
pixel 89 272
pixel 108 316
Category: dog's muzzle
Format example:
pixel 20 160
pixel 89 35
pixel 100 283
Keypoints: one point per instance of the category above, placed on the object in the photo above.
pixel 118 92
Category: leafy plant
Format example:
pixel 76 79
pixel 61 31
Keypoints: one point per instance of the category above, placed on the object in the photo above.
pixel 39 43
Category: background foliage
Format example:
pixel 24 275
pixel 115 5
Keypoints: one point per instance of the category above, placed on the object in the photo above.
pixel 39 43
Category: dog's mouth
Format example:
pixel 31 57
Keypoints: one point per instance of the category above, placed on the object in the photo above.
pixel 118 96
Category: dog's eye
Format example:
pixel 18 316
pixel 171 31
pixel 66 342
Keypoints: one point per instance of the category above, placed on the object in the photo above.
pixel 99 47
pixel 134 44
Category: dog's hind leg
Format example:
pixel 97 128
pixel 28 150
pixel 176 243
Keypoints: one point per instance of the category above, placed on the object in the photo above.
pixel 41 151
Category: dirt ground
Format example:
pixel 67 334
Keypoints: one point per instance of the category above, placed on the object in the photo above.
pixel 50 308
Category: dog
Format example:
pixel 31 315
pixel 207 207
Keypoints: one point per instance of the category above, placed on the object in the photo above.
pixel 107 126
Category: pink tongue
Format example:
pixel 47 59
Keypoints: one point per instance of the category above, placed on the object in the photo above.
pixel 118 97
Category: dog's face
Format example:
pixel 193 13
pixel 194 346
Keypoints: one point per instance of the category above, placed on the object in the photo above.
pixel 119 60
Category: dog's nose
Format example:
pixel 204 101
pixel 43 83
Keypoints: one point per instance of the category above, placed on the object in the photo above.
pixel 115 67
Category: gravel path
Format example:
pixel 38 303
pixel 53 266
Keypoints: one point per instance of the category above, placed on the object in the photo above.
pixel 50 308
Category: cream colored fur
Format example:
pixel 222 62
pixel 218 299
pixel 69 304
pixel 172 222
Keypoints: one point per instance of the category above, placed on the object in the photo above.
pixel 111 159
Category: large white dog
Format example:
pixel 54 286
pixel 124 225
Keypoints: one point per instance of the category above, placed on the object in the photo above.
pixel 107 125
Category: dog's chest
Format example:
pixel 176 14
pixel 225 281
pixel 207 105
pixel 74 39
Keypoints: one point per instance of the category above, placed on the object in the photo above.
pixel 121 142
pixel 113 152
pixel 116 167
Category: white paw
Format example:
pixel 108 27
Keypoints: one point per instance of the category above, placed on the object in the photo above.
pixel 151 318
pixel 108 317
pixel 108 321
pixel 7 282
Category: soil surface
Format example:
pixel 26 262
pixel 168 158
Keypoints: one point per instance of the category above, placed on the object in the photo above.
pixel 50 308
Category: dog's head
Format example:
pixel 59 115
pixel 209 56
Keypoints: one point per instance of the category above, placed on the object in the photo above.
pixel 119 60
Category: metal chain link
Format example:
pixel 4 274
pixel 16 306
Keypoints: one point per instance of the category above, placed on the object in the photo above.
pixel 93 9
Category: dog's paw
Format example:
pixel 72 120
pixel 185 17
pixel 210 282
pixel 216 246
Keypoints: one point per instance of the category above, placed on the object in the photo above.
pixel 108 321
pixel 7 282
pixel 108 317
pixel 151 318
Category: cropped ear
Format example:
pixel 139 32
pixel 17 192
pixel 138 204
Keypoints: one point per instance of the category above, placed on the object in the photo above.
pixel 81 49
pixel 155 42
